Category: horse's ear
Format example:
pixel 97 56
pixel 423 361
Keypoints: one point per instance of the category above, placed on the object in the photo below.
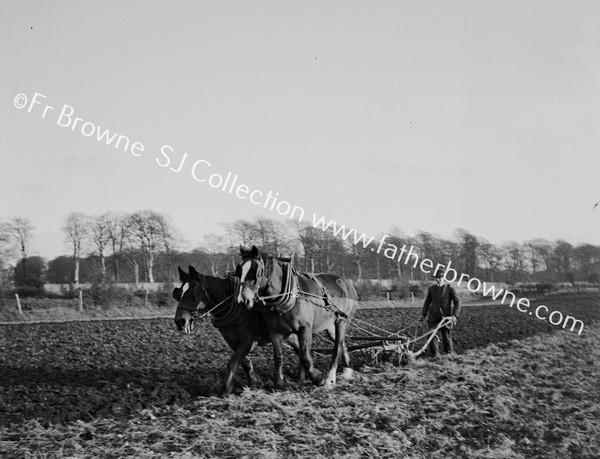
pixel 254 252
pixel 195 274
pixel 182 274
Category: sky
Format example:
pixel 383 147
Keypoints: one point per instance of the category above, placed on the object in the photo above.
pixel 428 115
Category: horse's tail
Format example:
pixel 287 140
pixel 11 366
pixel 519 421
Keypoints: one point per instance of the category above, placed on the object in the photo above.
pixel 352 293
pixel 347 286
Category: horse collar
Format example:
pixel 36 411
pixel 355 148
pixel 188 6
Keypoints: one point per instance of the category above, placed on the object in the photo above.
pixel 281 302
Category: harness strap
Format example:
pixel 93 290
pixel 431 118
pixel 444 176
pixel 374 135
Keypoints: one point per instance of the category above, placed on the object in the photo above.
pixel 195 314
pixel 285 300
pixel 324 296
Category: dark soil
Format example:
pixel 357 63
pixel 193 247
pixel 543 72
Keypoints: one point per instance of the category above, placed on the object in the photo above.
pixel 83 370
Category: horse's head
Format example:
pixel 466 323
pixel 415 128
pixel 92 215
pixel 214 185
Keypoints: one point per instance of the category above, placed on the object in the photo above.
pixel 251 272
pixel 190 299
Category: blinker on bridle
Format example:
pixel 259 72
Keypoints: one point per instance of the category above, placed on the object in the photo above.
pixel 178 294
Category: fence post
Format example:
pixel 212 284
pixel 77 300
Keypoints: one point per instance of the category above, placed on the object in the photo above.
pixel 80 300
pixel 18 303
pixel 412 297
pixel 146 298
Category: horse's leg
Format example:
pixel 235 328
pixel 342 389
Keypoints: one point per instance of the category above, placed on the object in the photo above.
pixel 277 340
pixel 292 340
pixel 249 370
pixel 348 373
pixel 340 333
pixel 238 356
pixel 305 341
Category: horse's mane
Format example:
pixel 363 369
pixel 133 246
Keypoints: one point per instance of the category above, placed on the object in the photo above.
pixel 229 313
pixel 268 261
pixel 218 286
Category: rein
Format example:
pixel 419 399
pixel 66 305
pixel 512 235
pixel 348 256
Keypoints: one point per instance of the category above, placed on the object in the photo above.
pixel 215 297
pixel 283 302
pixel 307 296
pixel 197 311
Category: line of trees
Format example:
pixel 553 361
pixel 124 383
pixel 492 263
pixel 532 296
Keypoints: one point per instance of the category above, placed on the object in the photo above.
pixel 145 246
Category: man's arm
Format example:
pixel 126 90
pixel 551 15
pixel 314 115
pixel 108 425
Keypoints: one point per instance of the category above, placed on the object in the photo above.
pixel 455 301
pixel 426 304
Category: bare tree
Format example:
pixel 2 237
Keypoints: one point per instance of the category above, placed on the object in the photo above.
pixel 399 238
pixel 100 237
pixel 587 258
pixel 543 251
pixel 214 247
pixel 131 253
pixel 491 255
pixel 514 259
pixel 533 256
pixel 468 244
pixel 242 232
pixel 19 232
pixel 76 228
pixel 6 246
pixel 232 248
pixel 358 254
pixel 118 231
pixel 308 238
pixel 329 252
pixel 563 253
pixel 6 253
pixel 266 234
pixel 171 240
pixel 273 236
pixel 147 227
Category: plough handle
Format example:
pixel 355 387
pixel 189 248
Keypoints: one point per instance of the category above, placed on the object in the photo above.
pixel 445 321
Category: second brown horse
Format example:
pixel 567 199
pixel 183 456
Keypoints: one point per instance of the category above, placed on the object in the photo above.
pixel 301 304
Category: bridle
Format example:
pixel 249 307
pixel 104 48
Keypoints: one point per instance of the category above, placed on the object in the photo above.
pixel 260 277
pixel 260 269
pixel 195 312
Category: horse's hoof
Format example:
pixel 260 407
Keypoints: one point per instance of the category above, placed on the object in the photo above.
pixel 348 374
pixel 330 384
pixel 279 384
pixel 317 378
pixel 225 391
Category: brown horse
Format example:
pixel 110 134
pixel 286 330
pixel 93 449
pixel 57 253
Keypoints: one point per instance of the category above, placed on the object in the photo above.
pixel 243 329
pixel 301 304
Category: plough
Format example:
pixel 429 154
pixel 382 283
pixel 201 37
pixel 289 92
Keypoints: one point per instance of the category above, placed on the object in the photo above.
pixel 401 345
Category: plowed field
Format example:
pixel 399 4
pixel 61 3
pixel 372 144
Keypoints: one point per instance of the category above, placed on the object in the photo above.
pixel 63 372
